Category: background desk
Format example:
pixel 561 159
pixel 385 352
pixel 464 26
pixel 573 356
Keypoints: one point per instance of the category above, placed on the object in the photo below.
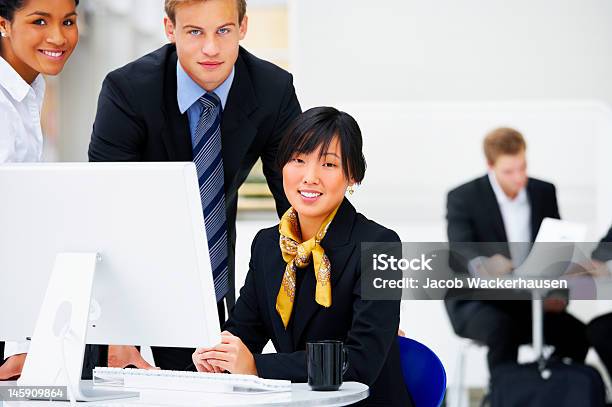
pixel 300 395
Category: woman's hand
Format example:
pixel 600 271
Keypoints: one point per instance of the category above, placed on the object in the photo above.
pixel 230 355
pixel 202 364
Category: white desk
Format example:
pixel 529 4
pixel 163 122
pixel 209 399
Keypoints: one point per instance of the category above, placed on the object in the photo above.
pixel 300 395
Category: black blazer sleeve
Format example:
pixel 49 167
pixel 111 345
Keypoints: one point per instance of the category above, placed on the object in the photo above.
pixel 460 229
pixel 289 110
pixel 373 330
pixel 287 366
pixel 118 130
pixel 460 226
pixel 246 317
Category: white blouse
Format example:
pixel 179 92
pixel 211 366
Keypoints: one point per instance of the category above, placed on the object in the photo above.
pixel 21 137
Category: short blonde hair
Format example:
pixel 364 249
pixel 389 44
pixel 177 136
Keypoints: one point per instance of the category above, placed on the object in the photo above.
pixel 170 6
pixel 503 141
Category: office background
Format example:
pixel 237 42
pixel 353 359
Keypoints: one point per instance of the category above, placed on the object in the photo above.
pixel 425 80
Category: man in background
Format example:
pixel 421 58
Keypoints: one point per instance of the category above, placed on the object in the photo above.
pixel 505 205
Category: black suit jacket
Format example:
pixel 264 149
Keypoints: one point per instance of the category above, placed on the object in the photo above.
pixel 473 215
pixel 138 119
pixel 367 328
pixel 603 252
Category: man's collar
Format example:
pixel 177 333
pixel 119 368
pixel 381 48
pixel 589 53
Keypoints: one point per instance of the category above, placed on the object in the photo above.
pixel 501 196
pixel 188 91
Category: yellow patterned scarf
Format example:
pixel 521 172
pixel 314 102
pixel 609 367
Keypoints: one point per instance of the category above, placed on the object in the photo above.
pixel 298 254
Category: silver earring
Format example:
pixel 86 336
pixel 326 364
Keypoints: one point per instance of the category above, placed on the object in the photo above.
pixel 3 34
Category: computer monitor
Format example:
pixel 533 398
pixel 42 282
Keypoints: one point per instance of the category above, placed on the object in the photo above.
pixel 144 227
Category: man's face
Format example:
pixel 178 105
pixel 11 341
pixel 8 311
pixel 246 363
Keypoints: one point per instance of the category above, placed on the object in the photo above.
pixel 207 35
pixel 511 173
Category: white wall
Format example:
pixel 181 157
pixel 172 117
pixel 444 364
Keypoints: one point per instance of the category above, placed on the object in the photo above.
pixel 451 50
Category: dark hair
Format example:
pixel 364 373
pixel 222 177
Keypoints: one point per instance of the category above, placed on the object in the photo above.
pixel 8 7
pixel 317 127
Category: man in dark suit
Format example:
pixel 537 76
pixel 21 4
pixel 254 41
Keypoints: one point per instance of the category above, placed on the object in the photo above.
pixel 202 98
pixel 505 206
pixel 599 329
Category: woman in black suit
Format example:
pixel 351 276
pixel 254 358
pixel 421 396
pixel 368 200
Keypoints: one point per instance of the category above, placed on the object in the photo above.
pixel 304 279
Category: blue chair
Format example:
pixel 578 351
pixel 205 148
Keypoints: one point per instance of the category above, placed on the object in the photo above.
pixel 423 373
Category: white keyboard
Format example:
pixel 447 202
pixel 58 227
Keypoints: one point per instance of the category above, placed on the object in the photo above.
pixel 186 381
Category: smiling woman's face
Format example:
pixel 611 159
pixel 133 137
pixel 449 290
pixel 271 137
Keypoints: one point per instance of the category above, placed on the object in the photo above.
pixel 41 37
pixel 315 184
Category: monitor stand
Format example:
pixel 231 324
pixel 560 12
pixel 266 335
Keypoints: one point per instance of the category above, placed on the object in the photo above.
pixel 55 357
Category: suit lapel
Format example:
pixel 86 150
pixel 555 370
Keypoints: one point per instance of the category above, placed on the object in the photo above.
pixel 237 130
pixel 275 268
pixel 492 207
pixel 338 248
pixel 608 237
pixel 534 213
pixel 175 134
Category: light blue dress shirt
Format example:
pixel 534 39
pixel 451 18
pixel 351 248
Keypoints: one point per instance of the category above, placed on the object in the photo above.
pixel 188 92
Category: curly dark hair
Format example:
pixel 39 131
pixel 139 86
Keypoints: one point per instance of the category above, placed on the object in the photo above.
pixel 8 7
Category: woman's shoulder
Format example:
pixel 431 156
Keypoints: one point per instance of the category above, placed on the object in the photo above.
pixel 266 237
pixel 367 230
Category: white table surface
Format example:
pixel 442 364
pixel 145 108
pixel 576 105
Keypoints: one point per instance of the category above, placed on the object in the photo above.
pixel 300 395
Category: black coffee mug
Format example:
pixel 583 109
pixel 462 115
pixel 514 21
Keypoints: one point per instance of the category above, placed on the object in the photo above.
pixel 327 362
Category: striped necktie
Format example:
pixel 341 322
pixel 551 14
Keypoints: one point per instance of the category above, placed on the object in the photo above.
pixel 209 164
